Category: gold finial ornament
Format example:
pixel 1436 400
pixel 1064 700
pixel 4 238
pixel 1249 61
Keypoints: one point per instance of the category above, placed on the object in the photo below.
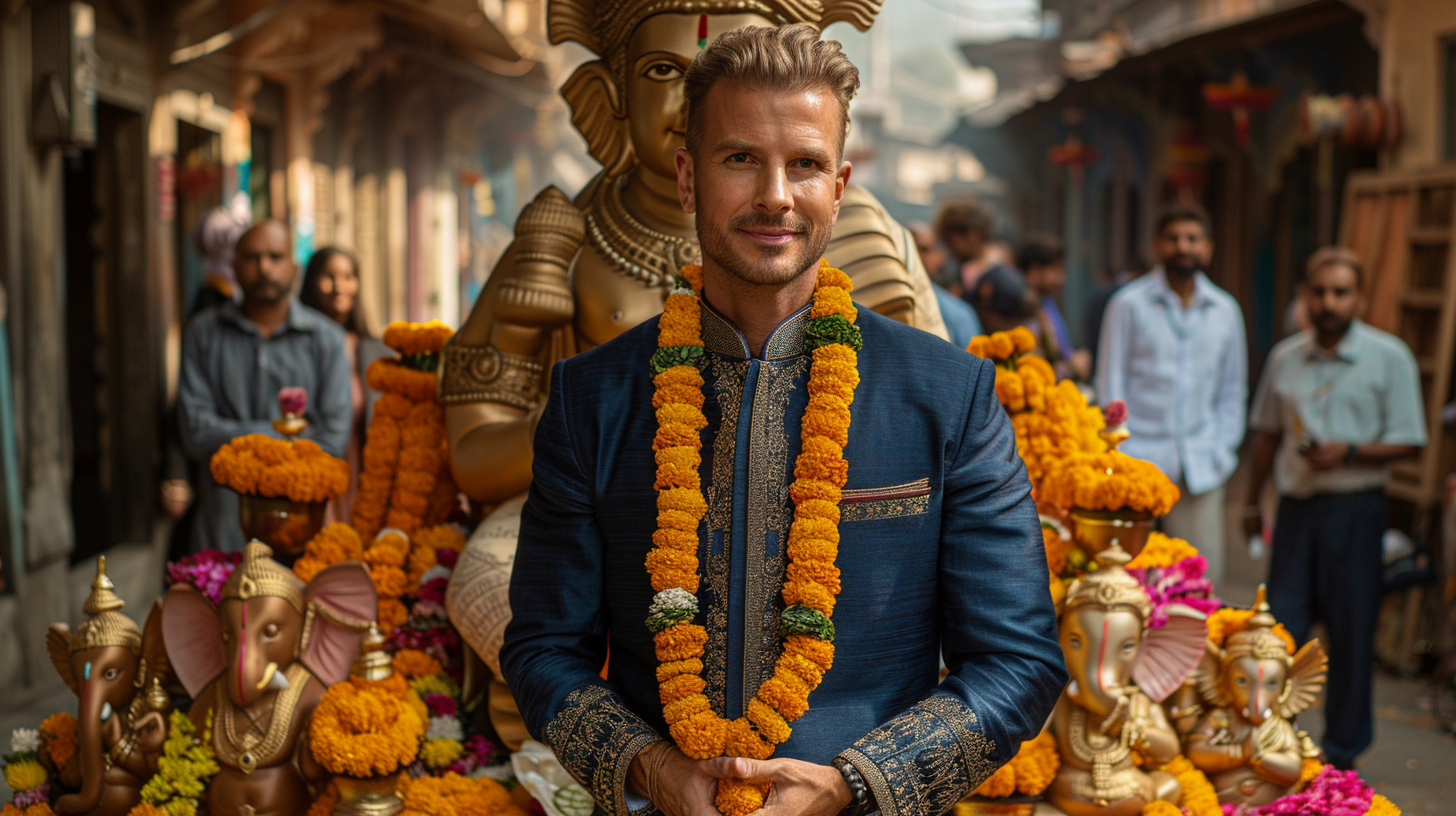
pixel 105 625
pixel 260 576
pixel 374 663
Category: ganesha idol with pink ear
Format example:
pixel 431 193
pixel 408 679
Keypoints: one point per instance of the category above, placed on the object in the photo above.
pixel 1120 670
pixel 256 665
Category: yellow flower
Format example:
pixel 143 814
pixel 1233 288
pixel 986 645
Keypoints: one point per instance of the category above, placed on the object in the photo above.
pixel 439 753
pixel 24 775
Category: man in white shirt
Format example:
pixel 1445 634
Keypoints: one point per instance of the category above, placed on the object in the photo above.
pixel 1173 349
pixel 1336 403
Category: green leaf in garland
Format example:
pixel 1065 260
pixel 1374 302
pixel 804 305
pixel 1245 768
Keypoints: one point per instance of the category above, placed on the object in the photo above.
pixel 658 621
pixel 801 620
pixel 824 331
pixel 670 356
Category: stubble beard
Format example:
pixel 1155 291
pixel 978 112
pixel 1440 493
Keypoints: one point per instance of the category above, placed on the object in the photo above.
pixel 800 255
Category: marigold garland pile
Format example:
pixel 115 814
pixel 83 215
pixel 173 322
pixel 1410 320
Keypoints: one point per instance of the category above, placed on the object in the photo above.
pixel 406 480
pixel 58 738
pixel 1052 420
pixel 456 795
pixel 297 470
pixel 1229 620
pixel 363 728
pixel 812 580
pixel 1111 480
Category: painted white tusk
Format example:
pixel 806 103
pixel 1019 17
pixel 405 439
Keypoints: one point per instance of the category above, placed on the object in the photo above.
pixel 273 679
pixel 105 711
pixel 1267 712
pixel 1073 688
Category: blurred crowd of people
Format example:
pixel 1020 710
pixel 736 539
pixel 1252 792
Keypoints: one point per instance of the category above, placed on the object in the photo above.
pixel 1336 402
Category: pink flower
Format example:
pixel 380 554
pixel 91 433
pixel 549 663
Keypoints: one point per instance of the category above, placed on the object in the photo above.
pixel 480 748
pixel 207 570
pixel 292 400
pixel 440 705
pixel 1181 583
pixel 1332 793
pixel 1115 413
pixel 434 590
pixel 446 558
pixel 34 796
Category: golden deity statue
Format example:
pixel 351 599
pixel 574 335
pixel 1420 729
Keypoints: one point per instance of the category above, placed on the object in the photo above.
pixel 1246 741
pixel 1108 718
pixel 580 272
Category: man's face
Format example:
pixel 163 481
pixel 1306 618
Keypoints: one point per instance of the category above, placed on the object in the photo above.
pixel 658 54
pixel 1331 298
pixel 1184 248
pixel 932 254
pixel 767 182
pixel 264 264
pixel 965 246
pixel 1047 279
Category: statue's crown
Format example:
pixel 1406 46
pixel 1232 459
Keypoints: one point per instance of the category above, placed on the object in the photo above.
pixel 1257 636
pixel 604 26
pixel 1109 587
pixel 104 624
pixel 260 576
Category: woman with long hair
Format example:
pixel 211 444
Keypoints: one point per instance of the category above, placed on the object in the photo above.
pixel 331 286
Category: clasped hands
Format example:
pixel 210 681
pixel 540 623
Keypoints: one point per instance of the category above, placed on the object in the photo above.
pixel 680 786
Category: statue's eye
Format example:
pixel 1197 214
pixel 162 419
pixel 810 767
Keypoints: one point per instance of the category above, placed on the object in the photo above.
pixel 1075 642
pixel 271 630
pixel 1243 681
pixel 226 637
pixel 662 72
pixel 1127 648
pixel 112 673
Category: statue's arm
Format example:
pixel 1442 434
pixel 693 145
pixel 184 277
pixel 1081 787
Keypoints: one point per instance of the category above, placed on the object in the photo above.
pixel 998 628
pixel 1282 764
pixel 556 642
pixel 1163 742
pixel 492 378
pixel 1209 755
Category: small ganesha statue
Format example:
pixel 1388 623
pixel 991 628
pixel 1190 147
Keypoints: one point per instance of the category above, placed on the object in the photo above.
pixel 1252 688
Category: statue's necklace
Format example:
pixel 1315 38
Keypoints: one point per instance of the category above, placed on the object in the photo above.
pixel 1101 759
pixel 634 250
pixel 812 580
pixel 248 751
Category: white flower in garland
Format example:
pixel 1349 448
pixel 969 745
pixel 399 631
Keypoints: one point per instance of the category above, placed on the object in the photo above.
pixel 24 741
pixel 670 606
pixel 447 728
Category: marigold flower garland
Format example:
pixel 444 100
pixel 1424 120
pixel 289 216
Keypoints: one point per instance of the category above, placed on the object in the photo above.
pixel 298 470
pixel 1052 421
pixel 812 580
pixel 1229 620
pixel 1028 773
pixel 1109 481
pixel 365 728
pixel 406 480
pixel 456 795
pixel 58 738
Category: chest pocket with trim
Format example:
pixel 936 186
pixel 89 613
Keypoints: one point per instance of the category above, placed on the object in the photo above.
pixel 870 503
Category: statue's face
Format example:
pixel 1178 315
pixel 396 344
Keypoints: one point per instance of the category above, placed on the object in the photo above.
pixel 1100 646
pixel 1254 686
pixel 658 55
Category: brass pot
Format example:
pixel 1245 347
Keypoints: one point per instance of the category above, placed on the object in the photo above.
pixel 375 796
pixel 1097 531
pixel 283 524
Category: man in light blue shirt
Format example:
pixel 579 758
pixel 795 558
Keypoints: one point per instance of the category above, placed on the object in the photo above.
pixel 1337 402
pixel 1173 348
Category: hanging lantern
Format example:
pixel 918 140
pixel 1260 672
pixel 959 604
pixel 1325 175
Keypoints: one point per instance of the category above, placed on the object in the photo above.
pixel 1187 159
pixel 1239 98
pixel 1073 154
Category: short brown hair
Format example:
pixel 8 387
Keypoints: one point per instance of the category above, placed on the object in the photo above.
pixel 1175 213
pixel 788 58
pixel 1335 256
pixel 964 216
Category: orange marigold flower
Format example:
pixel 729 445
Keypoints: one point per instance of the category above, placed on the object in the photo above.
pixel 676 688
pixel 680 710
pixel 700 736
pixel 414 663
pixel 58 738
pixel 999 784
pixel 417 338
pixel 769 723
pixel 676 667
pixel 680 642
pixel 743 740
pixel 811 594
pixel 363 732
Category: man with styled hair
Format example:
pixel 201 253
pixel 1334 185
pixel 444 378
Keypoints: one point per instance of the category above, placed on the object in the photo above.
pixel 777 510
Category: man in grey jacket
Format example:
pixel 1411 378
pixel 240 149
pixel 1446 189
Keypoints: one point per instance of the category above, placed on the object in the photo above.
pixel 235 358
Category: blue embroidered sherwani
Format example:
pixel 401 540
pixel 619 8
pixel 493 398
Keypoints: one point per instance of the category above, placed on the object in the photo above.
pixel 940 552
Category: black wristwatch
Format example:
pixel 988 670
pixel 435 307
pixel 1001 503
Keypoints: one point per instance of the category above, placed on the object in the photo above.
pixel 862 799
pixel 1353 454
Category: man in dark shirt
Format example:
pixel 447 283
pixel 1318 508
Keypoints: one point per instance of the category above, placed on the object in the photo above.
pixel 235 358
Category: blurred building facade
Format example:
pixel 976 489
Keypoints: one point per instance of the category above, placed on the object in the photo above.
pixel 408 131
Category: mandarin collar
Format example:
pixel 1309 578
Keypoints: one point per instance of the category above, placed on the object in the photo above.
pixel 784 342
pixel 1162 291
pixel 296 320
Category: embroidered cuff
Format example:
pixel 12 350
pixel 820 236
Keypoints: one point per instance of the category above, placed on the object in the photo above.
pixel 596 737
pixel 926 759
